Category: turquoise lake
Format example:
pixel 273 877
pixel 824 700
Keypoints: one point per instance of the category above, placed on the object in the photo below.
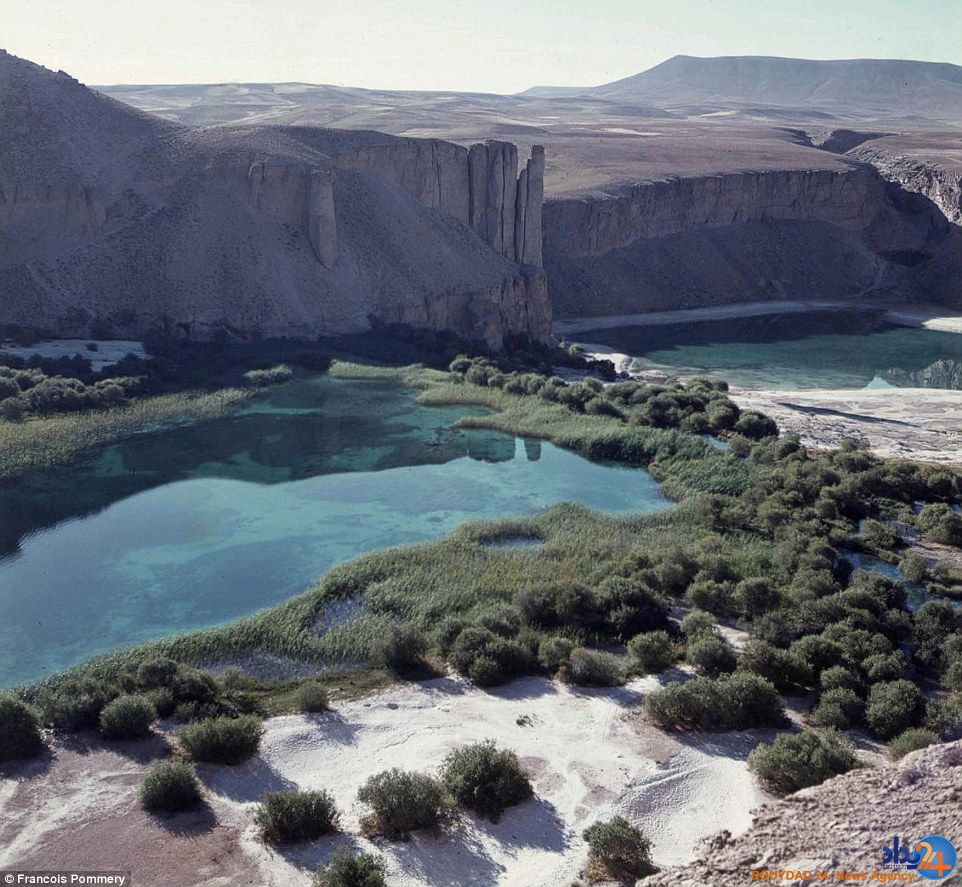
pixel 204 523
pixel 822 349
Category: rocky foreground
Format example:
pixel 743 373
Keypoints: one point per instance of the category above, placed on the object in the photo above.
pixel 842 824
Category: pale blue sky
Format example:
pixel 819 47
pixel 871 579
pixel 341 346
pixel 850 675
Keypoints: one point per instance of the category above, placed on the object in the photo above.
pixel 479 45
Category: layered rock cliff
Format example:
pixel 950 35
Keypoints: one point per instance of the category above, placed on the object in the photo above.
pixel 743 236
pixel 109 217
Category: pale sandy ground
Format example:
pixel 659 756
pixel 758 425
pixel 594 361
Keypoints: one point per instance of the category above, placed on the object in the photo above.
pixel 589 752
pixel 108 352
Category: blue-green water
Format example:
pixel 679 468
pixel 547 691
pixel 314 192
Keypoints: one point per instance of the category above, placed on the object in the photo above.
pixel 837 349
pixel 204 523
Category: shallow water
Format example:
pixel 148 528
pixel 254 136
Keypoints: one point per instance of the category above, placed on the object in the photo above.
pixel 202 524
pixel 846 349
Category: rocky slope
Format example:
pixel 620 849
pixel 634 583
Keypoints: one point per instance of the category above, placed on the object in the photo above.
pixel 116 220
pixel 842 824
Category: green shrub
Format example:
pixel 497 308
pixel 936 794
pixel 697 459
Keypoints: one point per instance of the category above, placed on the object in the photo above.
pixel 485 780
pixel 756 596
pixel 591 667
pixel 839 676
pixel 19 729
pixel 911 740
pixel 76 705
pixel 840 708
pixel 156 672
pixel 799 760
pixel 915 568
pixel 193 685
pixel 617 851
pixel 554 652
pixel 402 802
pixel 882 667
pixel 311 696
pixel 711 596
pixel 400 647
pixel 502 619
pixel 127 717
pixel 711 654
pixel 652 651
pixel 697 622
pixel 733 702
pixel 222 740
pixel 785 670
pixel 489 659
pixel 893 707
pixel 286 817
pixel 347 870
pixel 169 786
pixel 448 632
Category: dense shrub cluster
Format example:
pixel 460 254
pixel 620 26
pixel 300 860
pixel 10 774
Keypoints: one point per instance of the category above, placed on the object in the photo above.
pixel 733 702
pixel 222 740
pixel 699 406
pixel 485 779
pixel 400 647
pixel 911 740
pixel 617 851
pixel 19 729
pixel 799 760
pixel 292 816
pixel 169 786
pixel 32 392
pixel 652 652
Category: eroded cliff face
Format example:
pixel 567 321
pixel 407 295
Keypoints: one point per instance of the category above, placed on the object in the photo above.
pixel 259 230
pixel 694 241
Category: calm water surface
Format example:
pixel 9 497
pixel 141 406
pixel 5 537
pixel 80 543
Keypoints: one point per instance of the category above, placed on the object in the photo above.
pixel 837 349
pixel 204 523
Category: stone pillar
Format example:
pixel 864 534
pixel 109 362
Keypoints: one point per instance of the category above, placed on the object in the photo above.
pixel 321 223
pixel 533 208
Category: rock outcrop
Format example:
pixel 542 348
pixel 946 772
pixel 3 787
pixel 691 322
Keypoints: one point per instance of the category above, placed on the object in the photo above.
pixel 841 825
pixel 745 236
pixel 112 218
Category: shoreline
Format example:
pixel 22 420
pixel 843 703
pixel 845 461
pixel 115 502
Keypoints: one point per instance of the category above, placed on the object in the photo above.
pixel 918 316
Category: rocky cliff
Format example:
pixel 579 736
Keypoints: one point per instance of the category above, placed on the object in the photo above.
pixel 841 825
pixel 111 218
pixel 739 236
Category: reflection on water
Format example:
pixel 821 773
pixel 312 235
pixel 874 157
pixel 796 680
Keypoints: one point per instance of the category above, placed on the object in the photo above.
pixel 204 523
pixel 837 349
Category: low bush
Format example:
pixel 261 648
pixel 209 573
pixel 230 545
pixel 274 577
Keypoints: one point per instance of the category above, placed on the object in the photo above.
pixel 839 676
pixel 911 740
pixel 840 708
pixel 169 786
pixel 893 707
pixel 652 652
pixel 799 760
pixel 785 670
pixel 76 705
pixel 711 655
pixel 485 780
pixel 347 870
pixel 733 702
pixel 489 659
pixel 400 648
pixel 286 817
pixel 401 802
pixel 617 851
pixel 222 740
pixel 697 622
pixel 592 668
pixel 19 729
pixel 127 717
pixel 311 696
pixel 554 652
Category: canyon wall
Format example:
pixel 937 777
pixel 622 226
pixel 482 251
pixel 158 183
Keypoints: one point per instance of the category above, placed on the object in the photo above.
pixel 112 219
pixel 744 236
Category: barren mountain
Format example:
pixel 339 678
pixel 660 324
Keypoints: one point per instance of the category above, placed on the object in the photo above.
pixel 115 219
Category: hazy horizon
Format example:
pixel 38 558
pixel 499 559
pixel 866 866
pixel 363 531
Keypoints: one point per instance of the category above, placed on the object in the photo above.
pixel 415 45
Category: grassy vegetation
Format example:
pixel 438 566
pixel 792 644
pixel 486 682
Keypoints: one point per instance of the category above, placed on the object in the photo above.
pixel 19 729
pixel 758 537
pixel 222 740
pixel 43 442
pixel 286 817
pixel 169 786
